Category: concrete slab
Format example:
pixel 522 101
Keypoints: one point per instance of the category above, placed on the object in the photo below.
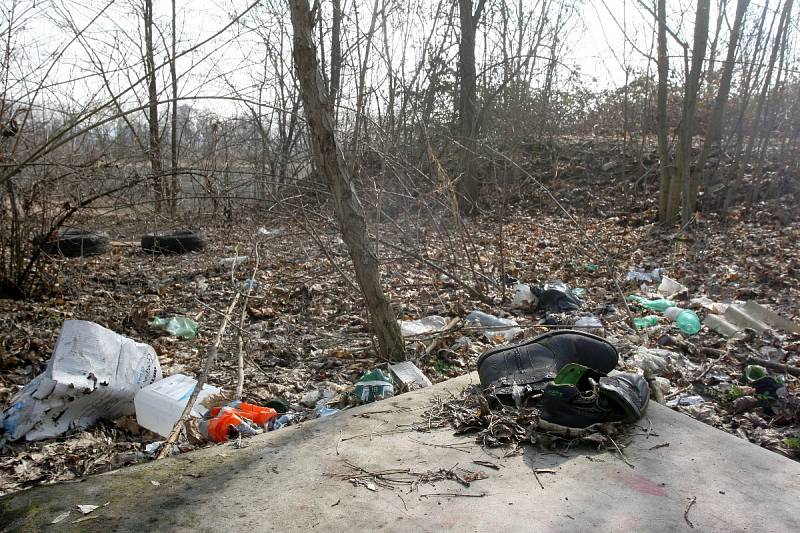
pixel 280 483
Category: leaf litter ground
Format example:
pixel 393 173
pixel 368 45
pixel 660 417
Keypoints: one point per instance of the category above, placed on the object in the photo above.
pixel 306 329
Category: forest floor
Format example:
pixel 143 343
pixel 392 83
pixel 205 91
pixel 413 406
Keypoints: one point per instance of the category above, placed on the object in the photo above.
pixel 306 328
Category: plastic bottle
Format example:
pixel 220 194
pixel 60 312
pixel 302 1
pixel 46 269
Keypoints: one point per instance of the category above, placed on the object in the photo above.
pixel 659 305
pixel 686 319
pixel 646 322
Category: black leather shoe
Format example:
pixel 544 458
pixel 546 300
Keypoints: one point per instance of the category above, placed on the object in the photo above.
pixel 531 365
pixel 580 398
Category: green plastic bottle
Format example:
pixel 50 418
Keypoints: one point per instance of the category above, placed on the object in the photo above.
pixel 646 322
pixel 686 319
pixel 659 305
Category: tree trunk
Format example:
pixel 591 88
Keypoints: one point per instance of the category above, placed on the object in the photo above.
pixel 714 132
pixel 152 117
pixel 173 72
pixel 468 185
pixel 690 106
pixel 336 51
pixel 663 140
pixel 330 162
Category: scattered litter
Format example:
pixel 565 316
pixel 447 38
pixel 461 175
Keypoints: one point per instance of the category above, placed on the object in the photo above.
pixel 236 419
pixel 422 326
pixel 249 284
pixel 660 361
pixel 155 483
pixel 178 326
pixel 659 305
pixel 686 319
pixel 592 267
pixel 645 322
pixel 86 509
pixel 160 405
pixel 750 315
pixel 323 411
pixel 503 329
pixel 591 324
pixel 556 297
pixel 685 401
pixel 283 421
pixel 641 274
pixel 235 261
pixel 669 288
pixel 408 376
pixel 523 297
pixel 94 373
pixel 373 386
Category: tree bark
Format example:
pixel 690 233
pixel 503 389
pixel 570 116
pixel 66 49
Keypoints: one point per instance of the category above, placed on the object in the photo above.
pixel 349 213
pixel 469 185
pixel 152 116
pixel 173 72
pixel 663 140
pixel 690 106
pixel 714 132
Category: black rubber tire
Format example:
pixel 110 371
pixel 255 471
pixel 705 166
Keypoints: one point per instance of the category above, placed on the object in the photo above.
pixel 173 242
pixel 77 243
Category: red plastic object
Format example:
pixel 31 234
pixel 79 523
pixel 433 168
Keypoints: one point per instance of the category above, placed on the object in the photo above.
pixel 223 418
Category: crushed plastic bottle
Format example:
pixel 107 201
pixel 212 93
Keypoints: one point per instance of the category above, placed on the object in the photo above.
pixel 645 322
pixel 686 319
pixel 659 305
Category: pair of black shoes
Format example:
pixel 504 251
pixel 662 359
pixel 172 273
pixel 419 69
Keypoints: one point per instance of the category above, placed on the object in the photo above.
pixel 573 372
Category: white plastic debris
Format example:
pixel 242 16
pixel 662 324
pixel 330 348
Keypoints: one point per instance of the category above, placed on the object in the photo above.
pixel 750 315
pixel 590 324
pixel 495 326
pixel 686 401
pixel 429 324
pixel 640 274
pixel 523 297
pixel 409 376
pixel 160 405
pixel 669 288
pixel 659 361
pixel 94 373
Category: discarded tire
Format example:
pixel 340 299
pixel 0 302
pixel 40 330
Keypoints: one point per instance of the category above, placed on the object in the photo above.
pixel 77 243
pixel 173 242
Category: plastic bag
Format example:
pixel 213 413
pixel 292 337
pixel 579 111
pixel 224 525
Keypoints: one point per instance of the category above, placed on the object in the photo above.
pixel 94 373
pixel 179 326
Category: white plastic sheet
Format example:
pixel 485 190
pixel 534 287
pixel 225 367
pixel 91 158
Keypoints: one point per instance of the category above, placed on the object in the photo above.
pixel 94 373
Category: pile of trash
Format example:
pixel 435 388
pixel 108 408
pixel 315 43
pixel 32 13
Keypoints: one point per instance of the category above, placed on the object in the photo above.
pixel 96 374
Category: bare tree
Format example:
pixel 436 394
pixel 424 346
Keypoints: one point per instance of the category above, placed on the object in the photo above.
pixel 349 212
pixel 690 107
pixel 469 184
pixel 154 144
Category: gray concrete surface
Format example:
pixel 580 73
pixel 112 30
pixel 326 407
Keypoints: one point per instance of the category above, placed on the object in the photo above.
pixel 285 481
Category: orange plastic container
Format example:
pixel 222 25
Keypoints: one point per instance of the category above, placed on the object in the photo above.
pixel 235 415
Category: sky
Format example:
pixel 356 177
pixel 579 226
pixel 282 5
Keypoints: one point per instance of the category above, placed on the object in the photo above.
pixel 605 37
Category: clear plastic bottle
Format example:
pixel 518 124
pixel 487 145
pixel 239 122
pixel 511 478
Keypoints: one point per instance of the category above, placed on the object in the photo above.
pixel 686 319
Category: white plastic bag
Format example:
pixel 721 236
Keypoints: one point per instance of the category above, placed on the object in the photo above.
pixel 94 373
